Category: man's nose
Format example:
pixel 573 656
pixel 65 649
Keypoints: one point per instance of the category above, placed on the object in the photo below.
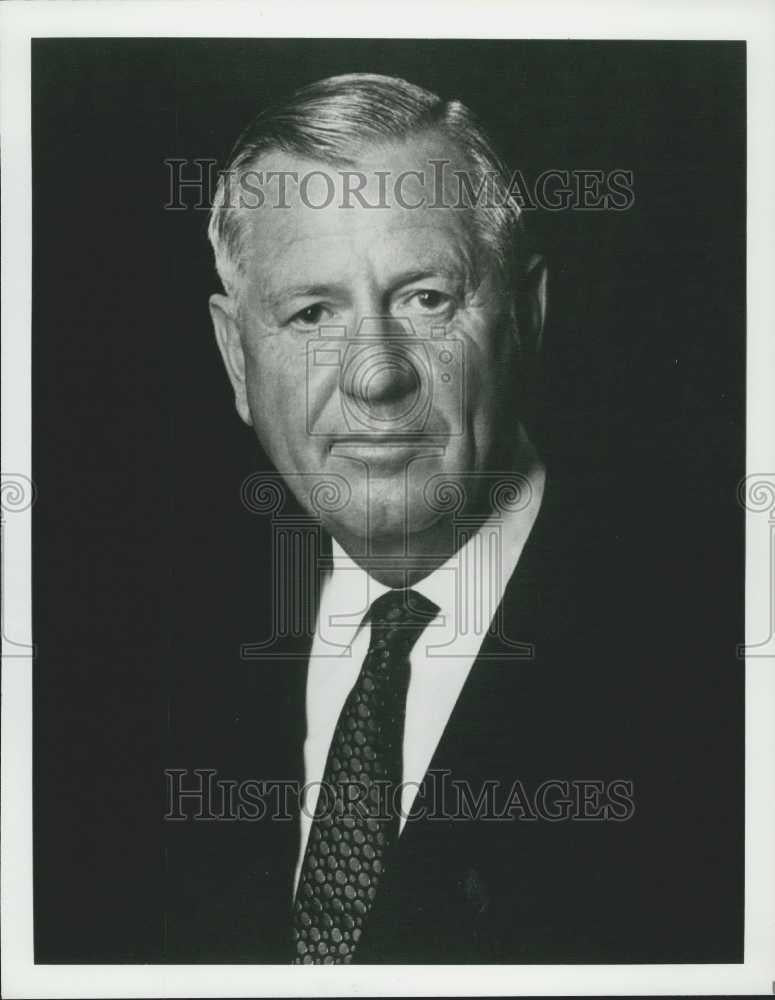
pixel 381 372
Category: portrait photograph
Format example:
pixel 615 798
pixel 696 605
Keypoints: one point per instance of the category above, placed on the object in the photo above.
pixel 389 476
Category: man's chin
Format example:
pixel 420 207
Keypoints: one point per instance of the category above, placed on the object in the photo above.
pixel 383 529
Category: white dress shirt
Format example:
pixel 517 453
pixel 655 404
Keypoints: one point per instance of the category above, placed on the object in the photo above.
pixel 467 590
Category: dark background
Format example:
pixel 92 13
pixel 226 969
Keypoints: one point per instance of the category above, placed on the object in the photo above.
pixel 139 455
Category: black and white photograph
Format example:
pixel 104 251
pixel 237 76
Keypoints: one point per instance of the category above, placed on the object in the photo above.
pixel 386 526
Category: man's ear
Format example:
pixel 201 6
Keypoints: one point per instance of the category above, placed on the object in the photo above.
pixel 532 311
pixel 227 335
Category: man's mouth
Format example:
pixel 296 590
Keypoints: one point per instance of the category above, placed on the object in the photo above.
pixel 384 449
pixel 377 438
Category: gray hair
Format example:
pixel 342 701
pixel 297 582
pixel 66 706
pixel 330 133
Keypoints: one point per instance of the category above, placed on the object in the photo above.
pixel 336 119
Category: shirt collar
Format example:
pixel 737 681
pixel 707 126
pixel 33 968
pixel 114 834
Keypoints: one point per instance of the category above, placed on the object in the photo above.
pixel 349 590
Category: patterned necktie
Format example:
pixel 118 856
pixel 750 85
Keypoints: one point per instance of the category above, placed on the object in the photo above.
pixel 357 816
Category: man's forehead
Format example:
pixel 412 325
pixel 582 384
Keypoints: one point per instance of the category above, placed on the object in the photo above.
pixel 321 223
pixel 429 243
pixel 402 187
pixel 334 262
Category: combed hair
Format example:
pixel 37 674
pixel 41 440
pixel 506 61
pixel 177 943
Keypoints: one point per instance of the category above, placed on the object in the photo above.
pixel 334 121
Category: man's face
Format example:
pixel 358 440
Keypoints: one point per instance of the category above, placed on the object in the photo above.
pixel 374 347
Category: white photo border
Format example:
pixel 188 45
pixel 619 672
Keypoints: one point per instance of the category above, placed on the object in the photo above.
pixel 750 20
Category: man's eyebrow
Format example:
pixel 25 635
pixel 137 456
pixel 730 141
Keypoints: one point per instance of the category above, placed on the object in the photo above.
pixel 323 289
pixel 442 269
pixel 277 298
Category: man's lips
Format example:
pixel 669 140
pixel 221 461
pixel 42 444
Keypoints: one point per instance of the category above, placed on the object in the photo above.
pixel 385 443
pixel 390 437
pixel 376 439
pixel 383 451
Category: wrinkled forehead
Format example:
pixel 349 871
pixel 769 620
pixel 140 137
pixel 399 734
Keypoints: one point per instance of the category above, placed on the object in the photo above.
pixel 393 205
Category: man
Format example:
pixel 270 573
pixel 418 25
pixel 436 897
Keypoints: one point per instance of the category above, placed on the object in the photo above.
pixel 379 316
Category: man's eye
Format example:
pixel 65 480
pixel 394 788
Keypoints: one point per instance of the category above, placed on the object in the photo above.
pixel 310 316
pixel 430 300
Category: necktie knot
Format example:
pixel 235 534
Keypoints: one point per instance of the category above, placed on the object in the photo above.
pixel 402 610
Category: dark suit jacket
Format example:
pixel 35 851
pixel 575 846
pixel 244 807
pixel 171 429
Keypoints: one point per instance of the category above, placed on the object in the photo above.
pixel 628 681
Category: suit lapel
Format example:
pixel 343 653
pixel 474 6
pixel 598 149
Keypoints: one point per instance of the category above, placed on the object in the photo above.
pixel 437 877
